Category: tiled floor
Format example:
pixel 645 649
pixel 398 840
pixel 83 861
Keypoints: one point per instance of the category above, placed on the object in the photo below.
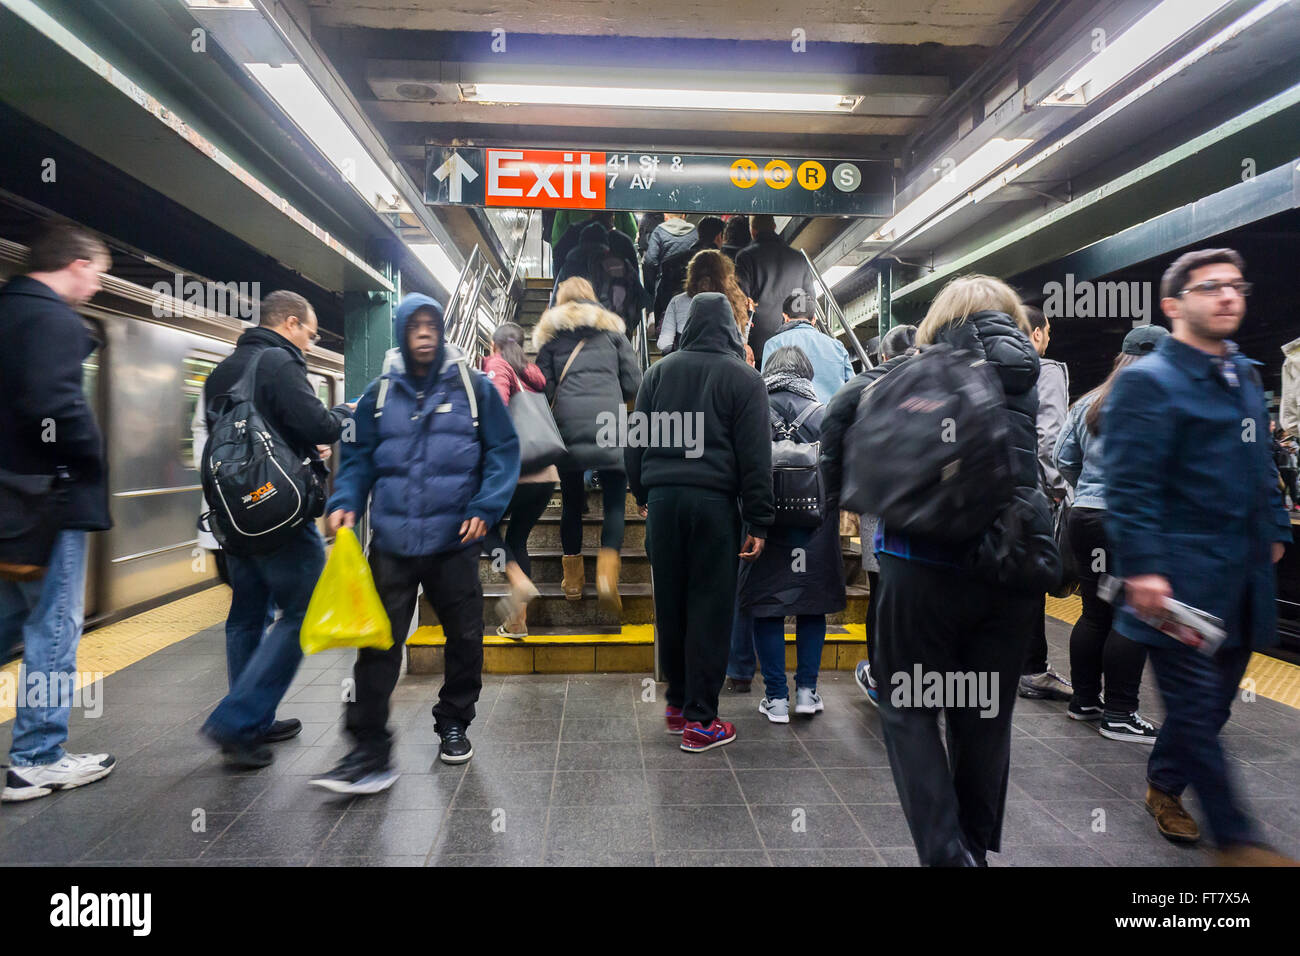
pixel 579 771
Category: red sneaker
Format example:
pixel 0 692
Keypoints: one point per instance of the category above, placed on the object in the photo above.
pixel 698 737
pixel 676 722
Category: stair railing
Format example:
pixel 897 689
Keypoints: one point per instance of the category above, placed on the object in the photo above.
pixel 484 298
pixel 830 311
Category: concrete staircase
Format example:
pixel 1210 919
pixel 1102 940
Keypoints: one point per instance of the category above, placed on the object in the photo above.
pixel 577 636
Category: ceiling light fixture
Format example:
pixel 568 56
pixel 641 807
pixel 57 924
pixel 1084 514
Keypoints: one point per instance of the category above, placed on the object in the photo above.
pixel 1145 39
pixel 537 94
pixel 951 185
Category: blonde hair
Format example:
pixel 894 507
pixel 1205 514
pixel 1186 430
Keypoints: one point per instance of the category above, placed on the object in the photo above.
pixel 574 289
pixel 962 298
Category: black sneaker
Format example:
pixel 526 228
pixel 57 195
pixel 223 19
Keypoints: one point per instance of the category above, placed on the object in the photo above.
pixel 1079 711
pixel 282 730
pixel 250 755
pixel 455 747
pixel 1132 727
pixel 735 685
pixel 357 773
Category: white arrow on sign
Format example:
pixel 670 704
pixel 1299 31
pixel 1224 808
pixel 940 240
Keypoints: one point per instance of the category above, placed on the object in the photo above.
pixel 457 168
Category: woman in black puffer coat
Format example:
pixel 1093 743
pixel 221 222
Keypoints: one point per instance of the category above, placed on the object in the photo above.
pixel 585 400
pixel 962 614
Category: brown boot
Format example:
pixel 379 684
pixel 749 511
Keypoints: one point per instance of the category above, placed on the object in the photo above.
pixel 1173 822
pixel 607 567
pixel 1251 855
pixel 573 577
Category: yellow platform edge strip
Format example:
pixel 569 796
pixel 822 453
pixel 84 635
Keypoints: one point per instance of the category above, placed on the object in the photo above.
pixel 1267 676
pixel 109 649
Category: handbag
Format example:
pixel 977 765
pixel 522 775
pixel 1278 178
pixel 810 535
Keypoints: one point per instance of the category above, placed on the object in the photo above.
pixel 540 443
pixel 797 489
pixel 1061 532
pixel 31 513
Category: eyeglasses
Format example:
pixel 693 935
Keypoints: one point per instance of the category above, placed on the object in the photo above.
pixel 1211 287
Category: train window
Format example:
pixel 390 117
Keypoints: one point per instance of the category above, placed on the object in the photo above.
pixel 194 372
pixel 323 393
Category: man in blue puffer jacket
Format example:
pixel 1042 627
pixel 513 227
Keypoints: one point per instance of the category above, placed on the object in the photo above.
pixel 436 453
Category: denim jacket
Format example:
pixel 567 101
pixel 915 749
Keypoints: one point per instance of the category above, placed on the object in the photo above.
pixel 1078 457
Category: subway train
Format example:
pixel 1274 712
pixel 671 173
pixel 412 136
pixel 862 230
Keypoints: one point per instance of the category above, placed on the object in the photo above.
pixel 144 381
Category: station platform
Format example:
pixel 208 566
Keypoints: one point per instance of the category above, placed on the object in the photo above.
pixel 576 769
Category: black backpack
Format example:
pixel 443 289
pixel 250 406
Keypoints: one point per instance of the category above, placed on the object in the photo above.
pixel 797 488
pixel 929 450
pixel 614 279
pixel 258 488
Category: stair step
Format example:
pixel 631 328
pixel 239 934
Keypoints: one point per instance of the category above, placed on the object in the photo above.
pixel 627 650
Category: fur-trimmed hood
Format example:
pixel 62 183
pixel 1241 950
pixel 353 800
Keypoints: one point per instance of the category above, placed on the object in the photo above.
pixel 573 315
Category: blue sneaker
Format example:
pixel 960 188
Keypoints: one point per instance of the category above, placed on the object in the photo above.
pixel 862 674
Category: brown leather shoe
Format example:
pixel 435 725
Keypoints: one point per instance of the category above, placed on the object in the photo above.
pixel 1173 822
pixel 573 577
pixel 1252 855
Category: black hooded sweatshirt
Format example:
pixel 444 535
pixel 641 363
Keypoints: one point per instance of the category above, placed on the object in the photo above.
pixel 708 375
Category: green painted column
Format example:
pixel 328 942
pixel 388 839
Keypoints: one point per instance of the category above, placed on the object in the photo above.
pixel 368 331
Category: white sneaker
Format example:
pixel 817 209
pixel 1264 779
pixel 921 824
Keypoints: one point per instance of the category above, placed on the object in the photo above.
pixel 777 711
pixel 807 701
pixel 74 770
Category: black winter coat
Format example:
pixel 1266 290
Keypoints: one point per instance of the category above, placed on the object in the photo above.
pixel 45 343
pixel 281 393
pixel 782 583
pixel 708 377
pixel 601 378
pixel 768 270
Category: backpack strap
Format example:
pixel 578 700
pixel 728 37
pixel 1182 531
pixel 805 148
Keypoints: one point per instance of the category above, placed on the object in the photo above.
pixel 390 360
pixel 803 416
pixel 468 381
pixel 791 428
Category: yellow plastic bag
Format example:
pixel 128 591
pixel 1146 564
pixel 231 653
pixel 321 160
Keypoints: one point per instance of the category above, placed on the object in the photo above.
pixel 345 610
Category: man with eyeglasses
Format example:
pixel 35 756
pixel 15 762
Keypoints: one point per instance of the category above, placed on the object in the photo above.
pixel 262 649
pixel 1195 514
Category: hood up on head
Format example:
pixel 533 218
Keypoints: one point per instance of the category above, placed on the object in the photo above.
pixel 711 326
pixel 409 305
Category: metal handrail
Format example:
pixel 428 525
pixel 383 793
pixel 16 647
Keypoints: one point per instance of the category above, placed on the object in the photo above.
pixel 832 309
pixel 640 343
pixel 514 269
pixel 482 299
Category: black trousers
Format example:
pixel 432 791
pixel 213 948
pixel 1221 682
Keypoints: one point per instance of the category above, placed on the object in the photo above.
pixel 1035 661
pixel 873 605
pixel 693 537
pixel 944 622
pixel 526 506
pixel 452 586
pixel 1096 649
pixel 573 495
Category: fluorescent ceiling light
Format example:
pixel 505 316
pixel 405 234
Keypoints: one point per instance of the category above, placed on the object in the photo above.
pixel 951 185
pixel 300 98
pixel 1145 39
pixel 435 258
pixel 659 99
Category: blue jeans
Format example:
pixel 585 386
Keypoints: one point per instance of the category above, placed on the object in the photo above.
pixel 769 640
pixel 262 656
pixel 740 661
pixel 1198 692
pixel 47 616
